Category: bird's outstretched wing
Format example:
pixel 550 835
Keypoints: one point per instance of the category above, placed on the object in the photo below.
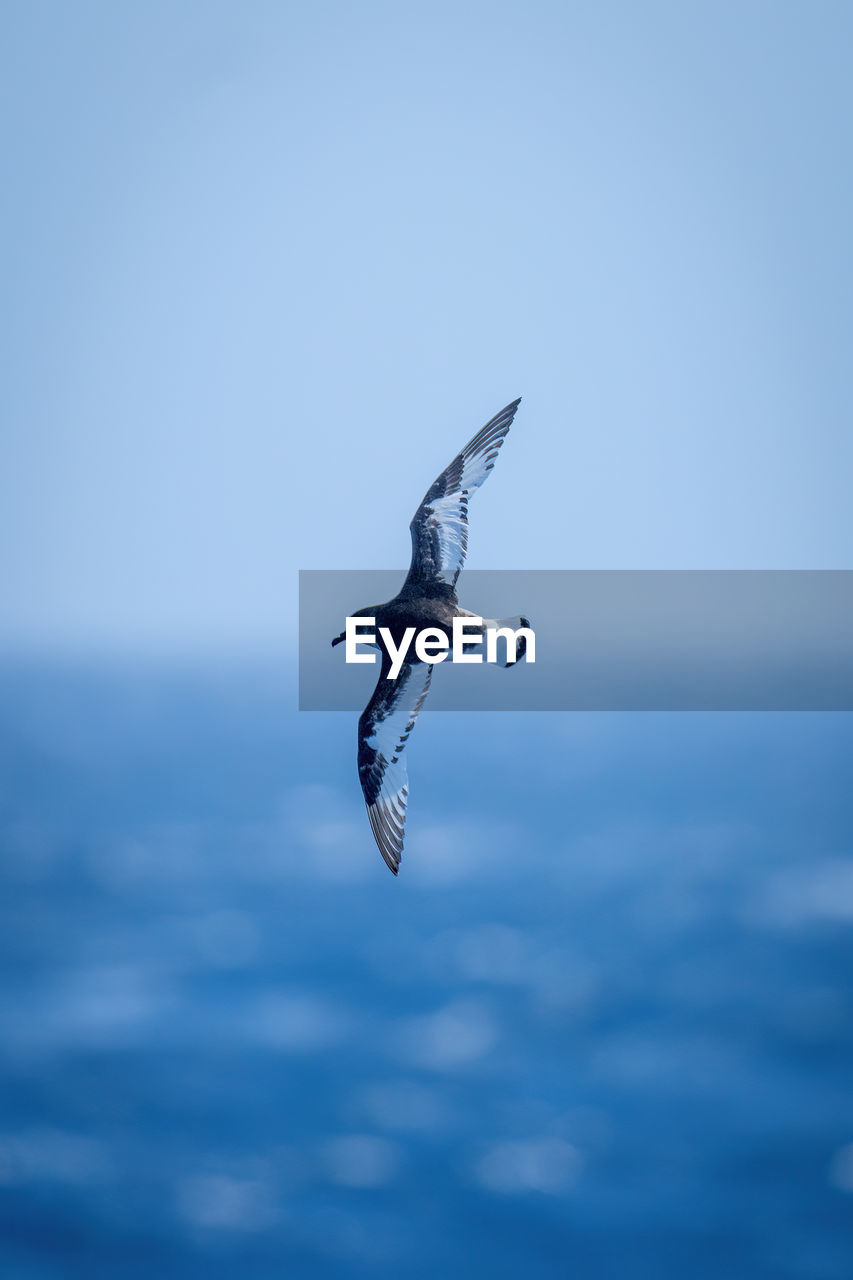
pixel 440 524
pixel 383 728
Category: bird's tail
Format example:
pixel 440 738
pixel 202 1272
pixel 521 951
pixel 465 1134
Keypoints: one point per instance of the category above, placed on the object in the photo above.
pixel 509 632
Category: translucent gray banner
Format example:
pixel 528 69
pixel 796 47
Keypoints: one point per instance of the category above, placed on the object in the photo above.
pixel 651 640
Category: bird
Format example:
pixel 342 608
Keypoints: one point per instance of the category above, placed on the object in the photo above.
pixel 439 530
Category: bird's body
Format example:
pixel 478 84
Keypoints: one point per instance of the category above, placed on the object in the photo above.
pixel 427 599
pixel 415 607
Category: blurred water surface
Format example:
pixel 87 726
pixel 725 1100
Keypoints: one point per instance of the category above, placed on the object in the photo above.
pixel 601 1025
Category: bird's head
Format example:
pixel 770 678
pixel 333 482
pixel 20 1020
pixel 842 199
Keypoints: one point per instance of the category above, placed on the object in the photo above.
pixel 359 613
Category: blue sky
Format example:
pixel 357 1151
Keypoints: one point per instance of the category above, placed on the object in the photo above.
pixel 267 267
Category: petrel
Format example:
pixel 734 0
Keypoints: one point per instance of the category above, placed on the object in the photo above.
pixel 427 598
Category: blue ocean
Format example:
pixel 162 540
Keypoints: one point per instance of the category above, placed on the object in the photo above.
pixel 601 1025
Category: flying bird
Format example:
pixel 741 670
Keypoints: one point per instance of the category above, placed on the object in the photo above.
pixel 427 598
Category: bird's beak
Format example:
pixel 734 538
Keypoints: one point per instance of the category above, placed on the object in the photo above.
pixel 338 639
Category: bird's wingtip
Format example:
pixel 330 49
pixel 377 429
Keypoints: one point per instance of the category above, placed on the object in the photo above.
pixel 391 863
